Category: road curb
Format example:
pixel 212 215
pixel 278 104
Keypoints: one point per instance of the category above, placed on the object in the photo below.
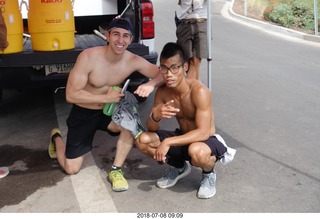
pixel 272 27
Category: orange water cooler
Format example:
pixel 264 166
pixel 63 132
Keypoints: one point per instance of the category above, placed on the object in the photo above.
pixel 51 25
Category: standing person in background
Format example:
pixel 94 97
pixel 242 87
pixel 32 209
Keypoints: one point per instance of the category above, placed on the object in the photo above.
pixel 3 34
pixel 191 21
pixel 4 171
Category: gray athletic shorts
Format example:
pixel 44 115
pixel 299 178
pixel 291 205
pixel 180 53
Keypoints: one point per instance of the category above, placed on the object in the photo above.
pixel 193 38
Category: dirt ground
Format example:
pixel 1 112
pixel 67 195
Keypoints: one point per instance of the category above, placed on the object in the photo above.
pixel 256 12
pixel 252 12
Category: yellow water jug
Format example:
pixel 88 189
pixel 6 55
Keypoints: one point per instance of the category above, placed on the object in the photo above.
pixel 51 25
pixel 13 19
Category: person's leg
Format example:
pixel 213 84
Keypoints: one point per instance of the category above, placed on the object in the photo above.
pixel 179 168
pixel 199 48
pixel 70 166
pixel 201 156
pixel 147 143
pixel 124 145
pixel 82 125
pixel 194 68
pixel 185 38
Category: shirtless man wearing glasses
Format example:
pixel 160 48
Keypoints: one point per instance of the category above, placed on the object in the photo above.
pixel 195 142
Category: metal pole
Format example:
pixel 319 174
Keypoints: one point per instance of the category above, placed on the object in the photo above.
pixel 245 8
pixel 209 59
pixel 315 17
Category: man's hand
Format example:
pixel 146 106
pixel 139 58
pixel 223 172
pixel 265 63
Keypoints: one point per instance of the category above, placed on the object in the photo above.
pixel 167 110
pixel 4 45
pixel 114 96
pixel 144 90
pixel 161 152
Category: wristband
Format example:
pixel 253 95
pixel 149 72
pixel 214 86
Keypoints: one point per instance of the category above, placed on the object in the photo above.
pixel 151 114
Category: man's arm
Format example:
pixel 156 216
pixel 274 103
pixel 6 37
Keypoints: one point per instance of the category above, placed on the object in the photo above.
pixel 151 71
pixel 144 90
pixel 3 33
pixel 154 118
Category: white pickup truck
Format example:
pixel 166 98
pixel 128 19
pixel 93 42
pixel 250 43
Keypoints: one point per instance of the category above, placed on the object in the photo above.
pixel 50 68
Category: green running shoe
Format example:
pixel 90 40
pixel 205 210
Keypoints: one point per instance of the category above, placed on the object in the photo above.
pixel 52 147
pixel 119 183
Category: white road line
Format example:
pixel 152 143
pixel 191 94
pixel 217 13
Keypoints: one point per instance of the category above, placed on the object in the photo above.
pixel 90 190
pixel 88 185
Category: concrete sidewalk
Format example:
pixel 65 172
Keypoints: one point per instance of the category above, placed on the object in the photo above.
pixel 228 12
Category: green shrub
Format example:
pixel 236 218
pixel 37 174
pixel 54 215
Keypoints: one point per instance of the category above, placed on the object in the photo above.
pixel 297 15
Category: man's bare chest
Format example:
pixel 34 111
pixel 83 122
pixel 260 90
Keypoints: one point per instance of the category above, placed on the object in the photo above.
pixel 186 107
pixel 106 77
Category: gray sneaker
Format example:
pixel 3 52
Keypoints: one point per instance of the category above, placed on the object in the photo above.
pixel 171 177
pixel 208 186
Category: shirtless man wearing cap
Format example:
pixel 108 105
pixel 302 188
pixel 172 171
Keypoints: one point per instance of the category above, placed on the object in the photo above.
pixel 89 88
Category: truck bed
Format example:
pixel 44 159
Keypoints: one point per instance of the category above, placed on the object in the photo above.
pixel 30 58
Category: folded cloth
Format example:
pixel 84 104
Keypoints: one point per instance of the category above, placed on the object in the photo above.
pixel 127 116
pixel 229 154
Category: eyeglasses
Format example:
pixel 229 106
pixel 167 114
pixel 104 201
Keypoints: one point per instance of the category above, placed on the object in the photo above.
pixel 174 69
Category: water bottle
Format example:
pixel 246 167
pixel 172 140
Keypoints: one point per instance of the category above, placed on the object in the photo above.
pixel 109 107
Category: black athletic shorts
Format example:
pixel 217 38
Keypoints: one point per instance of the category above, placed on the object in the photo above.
pixel 177 155
pixel 82 125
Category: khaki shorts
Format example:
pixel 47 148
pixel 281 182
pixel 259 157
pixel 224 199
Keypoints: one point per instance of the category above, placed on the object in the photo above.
pixel 193 38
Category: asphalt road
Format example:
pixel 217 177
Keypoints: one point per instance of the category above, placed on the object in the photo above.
pixel 266 100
